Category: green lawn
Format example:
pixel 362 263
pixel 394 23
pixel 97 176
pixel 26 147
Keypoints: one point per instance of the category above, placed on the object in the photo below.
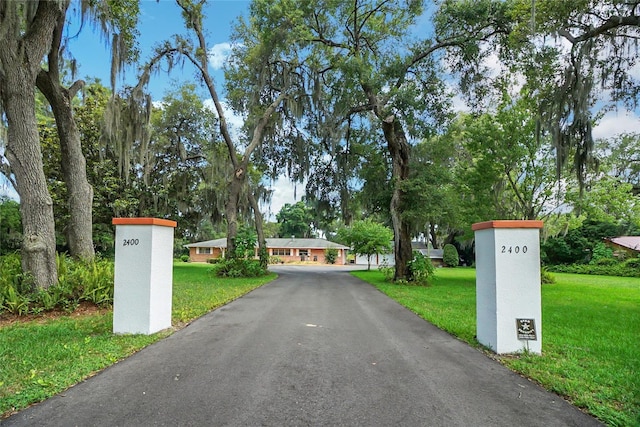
pixel 590 335
pixel 41 359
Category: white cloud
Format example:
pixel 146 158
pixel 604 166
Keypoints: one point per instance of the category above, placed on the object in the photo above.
pixel 617 122
pixel 218 55
pixel 284 191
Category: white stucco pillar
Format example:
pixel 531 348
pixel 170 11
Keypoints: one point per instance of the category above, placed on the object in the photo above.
pixel 508 294
pixel 143 275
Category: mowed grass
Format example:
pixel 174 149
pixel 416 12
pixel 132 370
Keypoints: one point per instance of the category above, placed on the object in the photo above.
pixel 41 358
pixel 590 335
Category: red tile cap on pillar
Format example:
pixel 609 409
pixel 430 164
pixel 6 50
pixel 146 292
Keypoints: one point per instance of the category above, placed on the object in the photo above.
pixel 507 223
pixel 144 221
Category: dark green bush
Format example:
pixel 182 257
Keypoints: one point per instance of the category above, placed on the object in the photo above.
pixel 214 260
pixel 450 256
pixel 633 263
pixel 274 259
pixel 605 261
pixel 330 255
pixel 184 258
pixel 618 269
pixel 239 267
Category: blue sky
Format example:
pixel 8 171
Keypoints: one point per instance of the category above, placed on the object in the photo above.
pixel 159 20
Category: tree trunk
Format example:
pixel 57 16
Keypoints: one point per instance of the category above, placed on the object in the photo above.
pixel 262 243
pixel 74 167
pixel 231 211
pixel 399 150
pixel 25 158
pixel 25 41
pixel 433 236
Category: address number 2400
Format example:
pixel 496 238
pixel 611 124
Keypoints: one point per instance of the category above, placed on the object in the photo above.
pixel 130 242
pixel 514 249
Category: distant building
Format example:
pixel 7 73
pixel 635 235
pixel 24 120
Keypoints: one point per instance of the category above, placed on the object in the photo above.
pixel 287 250
pixel 435 255
pixel 624 246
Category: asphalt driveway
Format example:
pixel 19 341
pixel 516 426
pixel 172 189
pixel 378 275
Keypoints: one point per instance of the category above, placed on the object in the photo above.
pixel 315 347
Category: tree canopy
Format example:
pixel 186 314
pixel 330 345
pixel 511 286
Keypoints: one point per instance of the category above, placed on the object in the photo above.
pixel 367 238
pixel 355 99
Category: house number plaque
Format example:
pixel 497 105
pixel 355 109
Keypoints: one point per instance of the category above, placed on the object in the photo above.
pixel 526 329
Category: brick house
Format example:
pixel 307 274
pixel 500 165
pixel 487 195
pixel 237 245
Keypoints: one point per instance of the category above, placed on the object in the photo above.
pixel 288 250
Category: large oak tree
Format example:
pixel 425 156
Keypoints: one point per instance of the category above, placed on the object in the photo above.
pixel 26 33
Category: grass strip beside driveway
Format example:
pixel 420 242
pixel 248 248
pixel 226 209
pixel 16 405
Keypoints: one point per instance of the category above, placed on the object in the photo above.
pixel 41 358
pixel 590 335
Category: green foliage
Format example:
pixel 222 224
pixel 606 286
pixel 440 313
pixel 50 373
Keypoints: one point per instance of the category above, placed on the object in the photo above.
pixel 367 238
pixel 503 168
pixel 184 258
pixel 450 255
pixel 602 255
pixel 430 193
pixel 239 267
pixel 616 269
pixel 263 256
pixel 422 270
pixel 546 278
pixel 78 281
pixel 330 255
pixel 245 242
pixel 387 271
pixel 10 225
pixel 578 244
pixel 633 263
pixel 295 220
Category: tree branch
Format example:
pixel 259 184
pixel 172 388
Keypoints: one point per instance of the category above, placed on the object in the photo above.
pixel 610 24
pixel 259 129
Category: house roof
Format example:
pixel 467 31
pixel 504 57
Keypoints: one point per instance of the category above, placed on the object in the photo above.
pixel 292 243
pixel 629 242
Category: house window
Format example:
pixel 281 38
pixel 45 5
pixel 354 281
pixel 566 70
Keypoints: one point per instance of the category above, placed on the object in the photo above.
pixel 203 251
pixel 282 252
pixel 304 252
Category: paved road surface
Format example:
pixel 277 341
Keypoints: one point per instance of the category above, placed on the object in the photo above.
pixel 314 347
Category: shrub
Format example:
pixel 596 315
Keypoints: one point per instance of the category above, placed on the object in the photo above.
pixel 450 256
pixel 421 268
pixel 604 261
pixel 633 263
pixel 546 277
pixel 619 269
pixel 387 270
pixel 214 260
pixel 602 255
pixel 330 255
pixel 238 267
pixel 274 259
pixel 184 258
pixel 77 281
pixel 246 240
